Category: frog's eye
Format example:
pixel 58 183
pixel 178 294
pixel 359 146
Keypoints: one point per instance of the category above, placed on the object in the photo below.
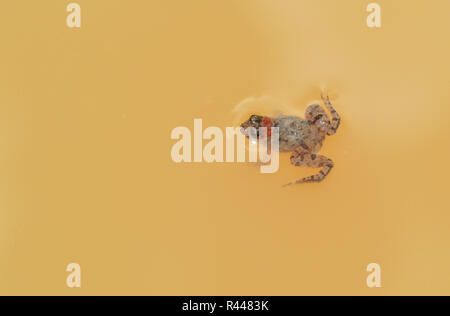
pixel 254 119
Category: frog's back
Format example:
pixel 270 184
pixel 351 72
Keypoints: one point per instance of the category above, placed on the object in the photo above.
pixel 296 132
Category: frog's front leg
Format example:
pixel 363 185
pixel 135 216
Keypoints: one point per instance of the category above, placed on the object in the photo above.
pixel 316 116
pixel 336 119
pixel 304 158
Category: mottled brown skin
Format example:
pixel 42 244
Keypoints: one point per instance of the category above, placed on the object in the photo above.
pixel 303 137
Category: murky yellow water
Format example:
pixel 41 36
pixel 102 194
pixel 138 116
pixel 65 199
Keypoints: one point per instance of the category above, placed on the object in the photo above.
pixel 85 122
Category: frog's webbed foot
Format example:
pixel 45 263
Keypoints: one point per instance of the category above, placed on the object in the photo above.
pixel 336 119
pixel 304 158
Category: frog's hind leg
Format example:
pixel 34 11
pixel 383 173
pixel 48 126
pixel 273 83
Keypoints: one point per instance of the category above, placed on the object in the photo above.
pixel 336 119
pixel 304 158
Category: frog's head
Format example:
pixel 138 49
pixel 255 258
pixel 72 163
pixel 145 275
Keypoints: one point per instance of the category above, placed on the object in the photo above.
pixel 256 121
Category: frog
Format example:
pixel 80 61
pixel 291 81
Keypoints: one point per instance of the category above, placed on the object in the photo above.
pixel 303 137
